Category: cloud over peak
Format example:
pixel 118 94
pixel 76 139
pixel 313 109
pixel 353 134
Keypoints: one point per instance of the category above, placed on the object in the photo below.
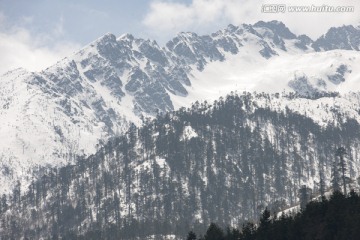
pixel 34 52
pixel 203 16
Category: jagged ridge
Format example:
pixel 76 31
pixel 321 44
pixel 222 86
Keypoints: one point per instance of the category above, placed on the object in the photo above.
pixel 86 98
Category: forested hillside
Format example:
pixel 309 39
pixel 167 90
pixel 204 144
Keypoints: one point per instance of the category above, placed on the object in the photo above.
pixel 223 162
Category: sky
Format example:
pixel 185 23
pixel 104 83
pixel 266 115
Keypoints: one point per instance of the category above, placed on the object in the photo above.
pixel 35 34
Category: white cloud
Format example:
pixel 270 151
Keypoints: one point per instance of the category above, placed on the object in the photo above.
pixel 20 48
pixel 166 18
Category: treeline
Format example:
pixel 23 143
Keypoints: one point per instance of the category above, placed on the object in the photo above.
pixel 337 218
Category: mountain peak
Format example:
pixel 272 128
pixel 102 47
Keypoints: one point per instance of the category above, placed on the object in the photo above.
pixel 343 28
pixel 277 27
pixel 108 37
pixel 345 37
pixel 187 35
pixel 126 36
pixel 231 28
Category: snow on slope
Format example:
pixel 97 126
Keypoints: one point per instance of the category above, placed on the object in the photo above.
pixel 35 131
pixel 67 109
pixel 252 73
pixel 249 72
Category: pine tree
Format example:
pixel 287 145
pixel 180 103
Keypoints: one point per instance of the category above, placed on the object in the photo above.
pixel 191 236
pixel 248 231
pixel 305 196
pixel 335 181
pixel 322 185
pixel 214 232
pixel 265 218
pixel 341 152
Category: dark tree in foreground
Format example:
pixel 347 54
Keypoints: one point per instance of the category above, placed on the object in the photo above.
pixel 191 236
pixel 304 196
pixel 337 218
pixel 214 232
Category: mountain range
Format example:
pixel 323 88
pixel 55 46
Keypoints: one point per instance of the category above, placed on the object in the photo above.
pixel 74 106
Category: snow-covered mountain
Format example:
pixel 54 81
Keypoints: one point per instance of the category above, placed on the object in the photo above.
pixel 68 109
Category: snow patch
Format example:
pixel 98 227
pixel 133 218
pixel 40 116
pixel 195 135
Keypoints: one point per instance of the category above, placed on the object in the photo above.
pixel 188 133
